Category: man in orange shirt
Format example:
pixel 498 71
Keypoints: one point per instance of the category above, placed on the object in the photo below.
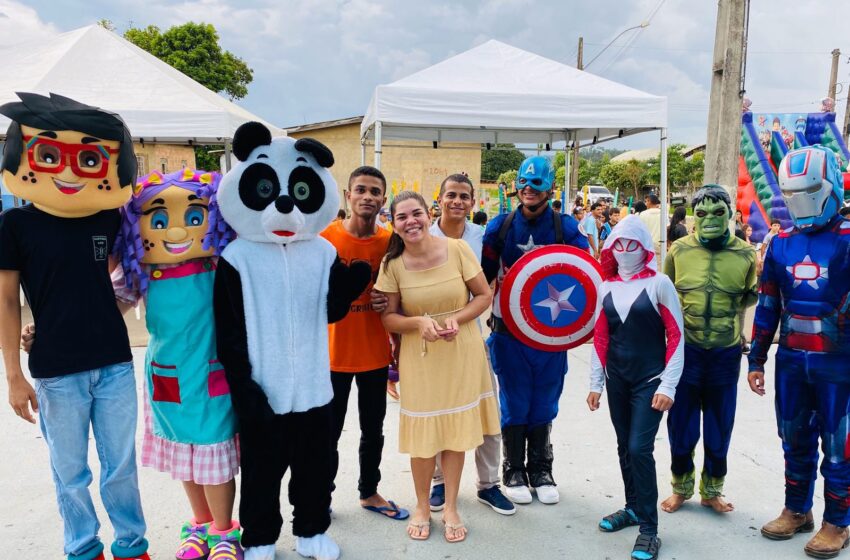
pixel 359 344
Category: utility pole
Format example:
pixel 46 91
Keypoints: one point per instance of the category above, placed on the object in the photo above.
pixel 724 112
pixel 833 74
pixel 574 167
pixel 846 130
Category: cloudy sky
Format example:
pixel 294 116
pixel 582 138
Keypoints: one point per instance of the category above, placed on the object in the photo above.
pixel 320 59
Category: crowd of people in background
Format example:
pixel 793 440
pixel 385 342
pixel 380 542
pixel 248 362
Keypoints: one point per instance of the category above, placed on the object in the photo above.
pixel 597 219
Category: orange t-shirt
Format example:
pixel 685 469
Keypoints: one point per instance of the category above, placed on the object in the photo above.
pixel 359 342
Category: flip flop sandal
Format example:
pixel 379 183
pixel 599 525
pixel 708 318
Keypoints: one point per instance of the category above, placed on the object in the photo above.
pixel 393 511
pixel 419 525
pixel 646 547
pixel 454 528
pixel 618 520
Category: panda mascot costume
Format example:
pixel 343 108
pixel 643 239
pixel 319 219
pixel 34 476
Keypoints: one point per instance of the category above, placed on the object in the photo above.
pixel 278 286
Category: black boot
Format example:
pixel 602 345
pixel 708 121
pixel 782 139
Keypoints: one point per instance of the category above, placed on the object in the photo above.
pixel 540 460
pixel 513 464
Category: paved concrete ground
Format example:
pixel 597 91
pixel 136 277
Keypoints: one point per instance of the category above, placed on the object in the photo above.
pixel 585 468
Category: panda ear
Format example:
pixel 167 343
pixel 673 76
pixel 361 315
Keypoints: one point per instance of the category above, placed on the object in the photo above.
pixel 249 136
pixel 323 155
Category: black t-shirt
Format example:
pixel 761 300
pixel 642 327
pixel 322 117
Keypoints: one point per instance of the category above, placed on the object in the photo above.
pixel 679 231
pixel 64 270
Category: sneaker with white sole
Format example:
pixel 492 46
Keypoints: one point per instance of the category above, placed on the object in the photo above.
pixel 518 494
pixel 494 498
pixel 437 499
pixel 548 494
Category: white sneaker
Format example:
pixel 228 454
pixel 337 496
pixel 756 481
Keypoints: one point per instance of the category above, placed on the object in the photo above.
pixel 548 494
pixel 518 494
pixel 320 547
pixel 265 552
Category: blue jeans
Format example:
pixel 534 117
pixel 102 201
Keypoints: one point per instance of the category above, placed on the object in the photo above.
pixel 104 398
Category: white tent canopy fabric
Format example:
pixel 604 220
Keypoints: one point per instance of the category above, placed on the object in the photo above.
pixel 497 93
pixel 95 66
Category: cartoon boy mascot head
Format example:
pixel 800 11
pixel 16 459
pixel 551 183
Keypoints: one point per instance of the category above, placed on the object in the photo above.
pixel 69 159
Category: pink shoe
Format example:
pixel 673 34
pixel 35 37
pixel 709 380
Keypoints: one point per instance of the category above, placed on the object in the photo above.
pixel 225 544
pixel 193 544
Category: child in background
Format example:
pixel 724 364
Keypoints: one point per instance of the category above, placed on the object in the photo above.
pixel 171 236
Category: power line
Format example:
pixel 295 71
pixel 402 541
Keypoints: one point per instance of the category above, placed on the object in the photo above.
pixel 706 51
pixel 779 107
pixel 633 38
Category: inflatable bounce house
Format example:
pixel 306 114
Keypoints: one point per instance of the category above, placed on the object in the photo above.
pixel 765 139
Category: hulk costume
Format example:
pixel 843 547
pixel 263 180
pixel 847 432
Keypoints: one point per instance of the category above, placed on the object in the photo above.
pixel 715 276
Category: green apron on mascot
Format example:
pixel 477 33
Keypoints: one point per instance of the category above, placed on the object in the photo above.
pixel 185 380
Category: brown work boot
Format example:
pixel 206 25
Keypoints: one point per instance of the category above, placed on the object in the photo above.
pixel 828 542
pixel 787 525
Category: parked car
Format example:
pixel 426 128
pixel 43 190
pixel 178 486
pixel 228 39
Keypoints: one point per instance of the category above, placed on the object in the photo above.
pixel 596 193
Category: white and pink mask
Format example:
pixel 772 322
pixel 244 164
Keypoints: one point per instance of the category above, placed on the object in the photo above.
pixel 628 251
pixel 630 257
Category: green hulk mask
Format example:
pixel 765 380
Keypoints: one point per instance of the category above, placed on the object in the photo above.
pixel 712 212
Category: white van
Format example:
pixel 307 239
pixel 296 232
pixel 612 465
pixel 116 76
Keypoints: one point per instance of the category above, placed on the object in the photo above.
pixel 595 193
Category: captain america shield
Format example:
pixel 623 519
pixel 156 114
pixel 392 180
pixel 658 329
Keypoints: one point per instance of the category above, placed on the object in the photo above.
pixel 548 297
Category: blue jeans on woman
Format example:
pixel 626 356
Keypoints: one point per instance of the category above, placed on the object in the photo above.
pixel 104 398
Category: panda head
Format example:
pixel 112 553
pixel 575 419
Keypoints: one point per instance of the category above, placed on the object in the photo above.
pixel 281 191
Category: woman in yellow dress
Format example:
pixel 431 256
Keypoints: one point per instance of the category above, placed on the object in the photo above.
pixel 436 290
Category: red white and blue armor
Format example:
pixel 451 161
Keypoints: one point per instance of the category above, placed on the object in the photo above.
pixel 804 292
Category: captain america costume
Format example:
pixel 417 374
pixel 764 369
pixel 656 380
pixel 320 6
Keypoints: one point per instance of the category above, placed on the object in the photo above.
pixel 530 380
pixel 804 292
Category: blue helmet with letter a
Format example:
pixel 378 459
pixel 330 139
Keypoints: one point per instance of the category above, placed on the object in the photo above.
pixel 535 172
pixel 812 185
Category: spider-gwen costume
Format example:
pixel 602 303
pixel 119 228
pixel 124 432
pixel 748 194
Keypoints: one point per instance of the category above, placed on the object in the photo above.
pixel 804 291
pixel 638 351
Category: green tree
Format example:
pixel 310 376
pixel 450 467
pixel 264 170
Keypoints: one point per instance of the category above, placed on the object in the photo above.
pixel 588 167
pixel 697 170
pixel 193 49
pixel 623 176
pixel 208 158
pixel 635 174
pixel 682 174
pixel 508 177
pixel 494 162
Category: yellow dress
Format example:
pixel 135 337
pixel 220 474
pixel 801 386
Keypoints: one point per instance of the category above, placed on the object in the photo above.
pixel 447 396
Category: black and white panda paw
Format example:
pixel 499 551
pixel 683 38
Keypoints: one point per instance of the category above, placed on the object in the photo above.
pixel 347 282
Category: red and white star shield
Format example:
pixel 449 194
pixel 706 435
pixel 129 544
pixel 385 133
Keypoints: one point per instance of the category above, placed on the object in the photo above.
pixel 548 297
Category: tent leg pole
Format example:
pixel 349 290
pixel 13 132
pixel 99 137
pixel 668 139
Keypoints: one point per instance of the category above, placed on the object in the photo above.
pixel 377 144
pixel 362 153
pixel 227 155
pixel 567 176
pixel 664 218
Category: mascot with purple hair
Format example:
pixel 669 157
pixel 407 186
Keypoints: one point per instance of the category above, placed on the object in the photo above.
pixel 171 236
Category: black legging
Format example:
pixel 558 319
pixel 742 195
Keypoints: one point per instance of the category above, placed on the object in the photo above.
pixel 636 424
pixel 372 408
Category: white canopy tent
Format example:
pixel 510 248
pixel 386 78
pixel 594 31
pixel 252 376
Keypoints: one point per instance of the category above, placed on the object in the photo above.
pixel 496 93
pixel 95 66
